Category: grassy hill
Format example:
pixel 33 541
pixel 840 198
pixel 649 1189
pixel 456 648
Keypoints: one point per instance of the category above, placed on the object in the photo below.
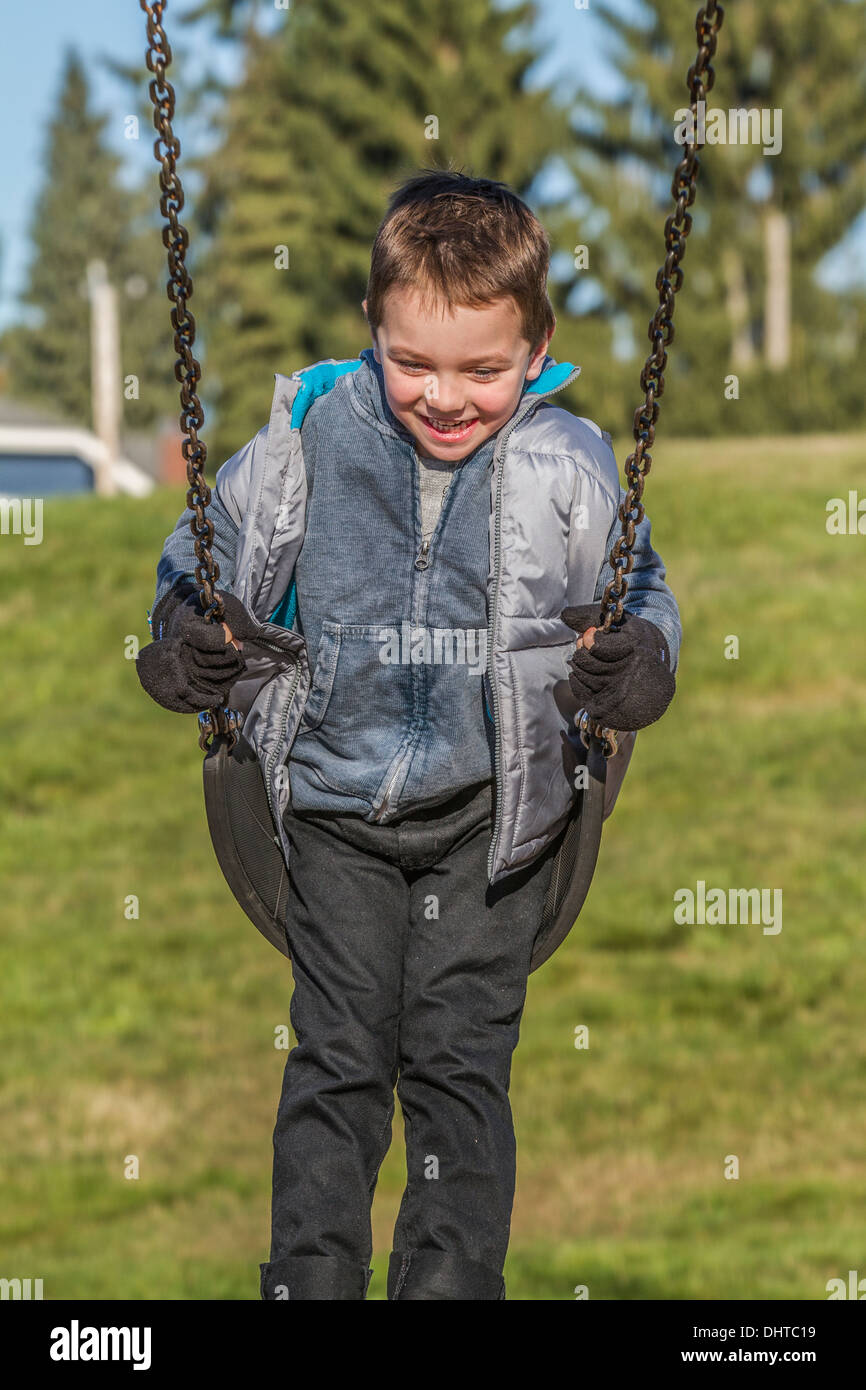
pixel 154 1037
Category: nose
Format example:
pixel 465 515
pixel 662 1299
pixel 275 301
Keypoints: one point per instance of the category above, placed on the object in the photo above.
pixel 445 396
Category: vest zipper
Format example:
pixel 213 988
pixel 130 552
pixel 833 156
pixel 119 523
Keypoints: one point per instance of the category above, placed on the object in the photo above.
pixel 261 642
pixel 272 646
pixel 497 575
pixel 279 744
pixel 422 560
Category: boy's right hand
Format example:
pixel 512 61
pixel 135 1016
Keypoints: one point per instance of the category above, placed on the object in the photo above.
pixel 195 664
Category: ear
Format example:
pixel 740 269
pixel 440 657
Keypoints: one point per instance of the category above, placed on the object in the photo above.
pixel 538 356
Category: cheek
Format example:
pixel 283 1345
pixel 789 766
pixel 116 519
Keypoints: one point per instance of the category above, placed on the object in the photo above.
pixel 498 402
pixel 404 391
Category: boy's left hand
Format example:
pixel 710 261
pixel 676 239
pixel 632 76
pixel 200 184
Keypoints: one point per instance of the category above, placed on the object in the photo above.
pixel 622 679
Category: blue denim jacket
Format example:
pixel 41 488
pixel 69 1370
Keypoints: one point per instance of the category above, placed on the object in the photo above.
pixel 387 727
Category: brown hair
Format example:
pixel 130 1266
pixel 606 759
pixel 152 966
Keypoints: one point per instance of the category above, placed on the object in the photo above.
pixel 463 241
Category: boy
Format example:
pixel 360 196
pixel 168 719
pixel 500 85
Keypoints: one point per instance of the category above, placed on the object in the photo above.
pixel 406 552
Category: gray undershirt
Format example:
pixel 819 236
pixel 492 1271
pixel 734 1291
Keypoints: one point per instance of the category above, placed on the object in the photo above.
pixel 434 478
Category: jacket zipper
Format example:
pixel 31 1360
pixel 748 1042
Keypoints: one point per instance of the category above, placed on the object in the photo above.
pixel 497 575
pixel 421 563
pixel 422 560
pixel 383 808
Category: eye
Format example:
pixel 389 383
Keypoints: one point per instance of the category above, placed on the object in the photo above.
pixel 412 366
pixel 486 373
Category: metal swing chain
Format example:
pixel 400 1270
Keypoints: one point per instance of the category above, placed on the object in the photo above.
pixel 669 279
pixel 187 370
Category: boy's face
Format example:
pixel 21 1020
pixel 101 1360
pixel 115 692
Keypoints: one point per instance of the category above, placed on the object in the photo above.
pixel 453 379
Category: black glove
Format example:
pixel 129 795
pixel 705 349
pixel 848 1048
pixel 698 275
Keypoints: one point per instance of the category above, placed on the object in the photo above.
pixel 186 620
pixel 625 680
pixel 192 667
pixel 171 599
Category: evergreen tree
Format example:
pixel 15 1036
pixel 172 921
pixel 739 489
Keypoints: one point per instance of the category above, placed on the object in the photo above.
pixel 82 214
pixel 333 110
pixel 773 54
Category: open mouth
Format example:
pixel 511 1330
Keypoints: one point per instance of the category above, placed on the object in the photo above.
pixel 448 431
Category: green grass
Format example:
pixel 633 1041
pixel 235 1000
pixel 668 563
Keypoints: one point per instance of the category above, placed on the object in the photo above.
pixel 154 1037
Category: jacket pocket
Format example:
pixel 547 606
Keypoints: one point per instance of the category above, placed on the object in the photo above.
pixel 327 655
pixel 359 714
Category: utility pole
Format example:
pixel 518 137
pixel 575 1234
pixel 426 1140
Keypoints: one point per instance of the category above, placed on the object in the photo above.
pixel 737 304
pixel 777 312
pixel 104 369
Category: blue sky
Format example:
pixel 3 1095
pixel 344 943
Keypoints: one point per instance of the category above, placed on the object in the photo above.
pixel 35 39
pixel 36 36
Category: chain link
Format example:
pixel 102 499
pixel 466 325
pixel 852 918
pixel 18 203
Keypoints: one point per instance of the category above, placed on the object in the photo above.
pixel 669 279
pixel 187 371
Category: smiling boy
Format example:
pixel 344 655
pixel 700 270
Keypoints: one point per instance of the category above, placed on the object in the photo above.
pixel 472 364
pixel 431 485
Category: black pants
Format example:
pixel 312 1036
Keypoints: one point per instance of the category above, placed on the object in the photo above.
pixel 411 970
